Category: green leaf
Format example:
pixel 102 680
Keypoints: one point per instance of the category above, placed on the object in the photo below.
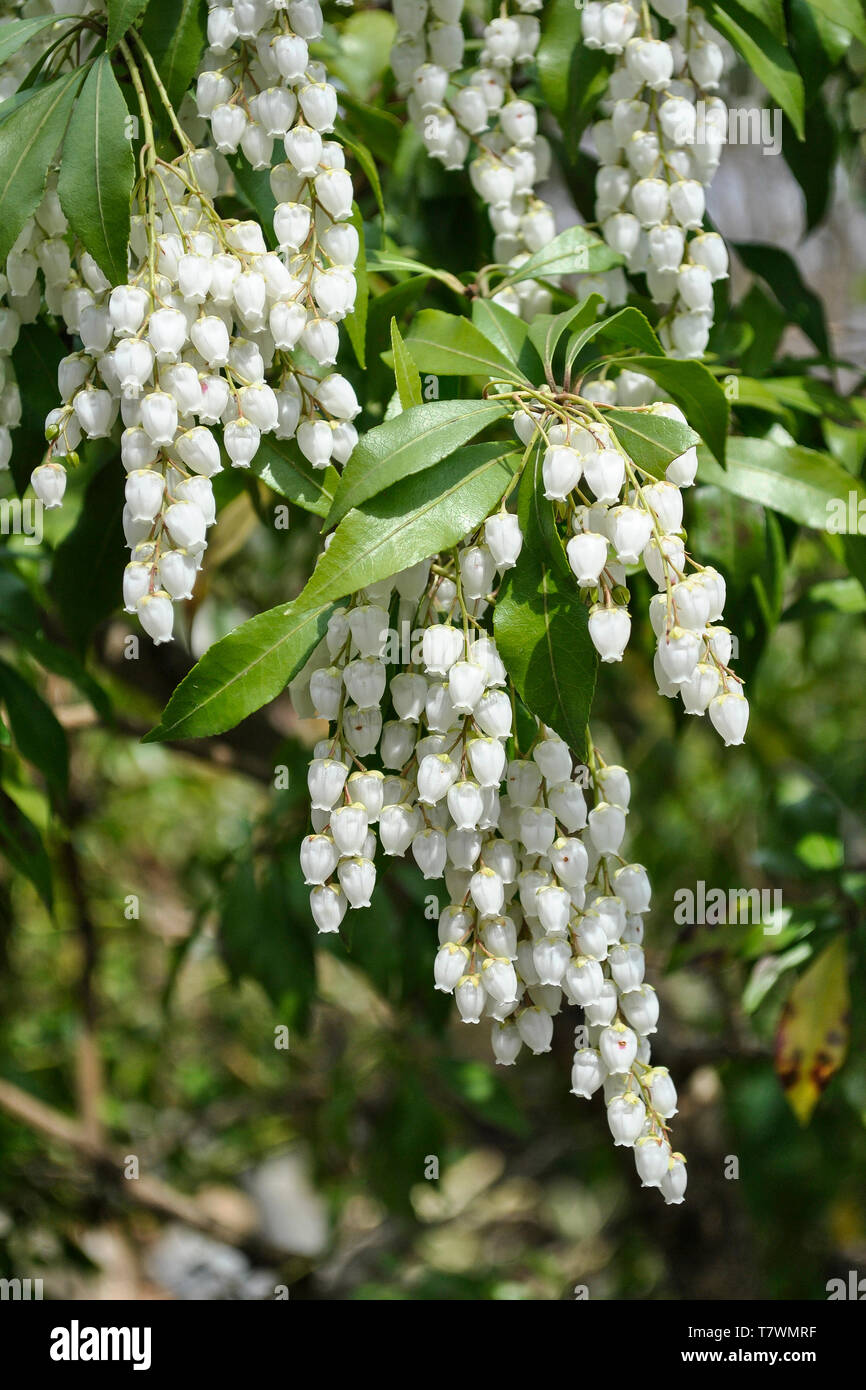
pixel 22 845
pixel 770 13
pixel 779 271
pixel 35 357
pixel 695 391
pixel 541 626
pixel 572 77
pixel 356 322
pixel 807 486
pixel 98 170
pixel 815 176
pixel 769 60
pixel 408 444
pixel 36 731
pixel 29 138
pixel 448 345
pixel 394 262
pixel 122 14
pixel 175 32
pixel 242 672
pixel 575 249
pixel 848 14
pixel 546 330
pixel 405 372
pixel 88 564
pixel 503 329
pixel 627 326
pixel 281 465
pixel 411 520
pixel 650 440
pixel 17 32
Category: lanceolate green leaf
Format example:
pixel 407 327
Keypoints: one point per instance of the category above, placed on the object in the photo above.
pixel 281 465
pixel 15 34
pixel 771 63
pixel 29 138
pixel 573 250
pixel 38 735
pixel 541 629
pixel 411 520
pixel 356 322
pixel 405 372
pixel 121 15
pixel 695 391
pixel 174 32
pixel 650 440
pixel 779 270
pixel 408 444
pixel 572 77
pixel 807 486
pixel 243 671
pixel 448 345
pixel 546 330
pixel 628 327
pixel 21 844
pixel 97 171
pixel 503 329
pixel 848 14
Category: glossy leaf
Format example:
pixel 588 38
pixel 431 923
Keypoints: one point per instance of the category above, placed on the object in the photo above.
pixel 650 440
pixel 697 393
pixel 541 628
pixel 97 171
pixel 408 444
pixel 175 32
pixel 29 138
pixel 122 14
pixel 405 372
pixel 38 736
pixel 411 520
pixel 575 249
pixel 281 465
pixel 243 671
pixel 807 486
pixel 448 345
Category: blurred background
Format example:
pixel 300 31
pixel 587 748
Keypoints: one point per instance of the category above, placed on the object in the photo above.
pixel 200 1099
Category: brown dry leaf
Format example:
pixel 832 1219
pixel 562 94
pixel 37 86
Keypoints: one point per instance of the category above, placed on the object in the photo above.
pixel 812 1037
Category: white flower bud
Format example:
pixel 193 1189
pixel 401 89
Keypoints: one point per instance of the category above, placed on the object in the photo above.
pixel 609 629
pixel 450 966
pixel 328 907
pixel 587 1073
pixel 49 483
pixel 625 1116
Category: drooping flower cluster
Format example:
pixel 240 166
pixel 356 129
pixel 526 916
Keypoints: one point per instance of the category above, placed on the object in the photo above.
pixel 195 350
pixel 543 910
pixel 659 146
pixel 460 109
pixel 620 517
pixel 38 247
